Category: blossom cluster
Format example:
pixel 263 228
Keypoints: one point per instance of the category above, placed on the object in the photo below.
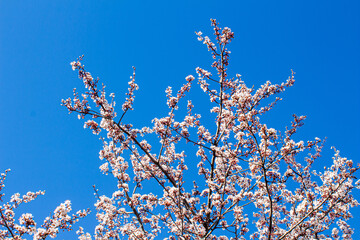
pixel 249 180
pixel 11 228
pixel 253 182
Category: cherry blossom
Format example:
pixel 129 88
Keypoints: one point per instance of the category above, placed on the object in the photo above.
pixel 249 180
pixel 26 226
pixel 254 181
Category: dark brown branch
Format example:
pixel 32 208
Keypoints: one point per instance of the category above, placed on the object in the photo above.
pixel 6 225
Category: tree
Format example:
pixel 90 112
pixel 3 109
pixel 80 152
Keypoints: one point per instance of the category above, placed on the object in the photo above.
pixel 253 182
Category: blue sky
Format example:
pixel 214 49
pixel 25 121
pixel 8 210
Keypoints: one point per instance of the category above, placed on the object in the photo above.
pixel 49 150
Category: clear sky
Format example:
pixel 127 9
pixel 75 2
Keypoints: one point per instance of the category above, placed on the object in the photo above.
pixel 49 150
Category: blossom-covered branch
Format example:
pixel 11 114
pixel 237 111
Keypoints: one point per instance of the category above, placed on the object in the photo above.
pixel 253 182
pixel 26 225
